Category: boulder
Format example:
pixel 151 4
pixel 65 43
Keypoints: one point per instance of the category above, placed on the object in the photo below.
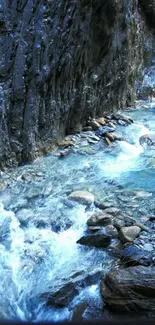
pixel 104 130
pixel 130 289
pixel 82 197
pixel 147 139
pixel 24 216
pixel 119 223
pixel 62 296
pixel 66 143
pixel 128 234
pixel 103 204
pixel 99 219
pixel 99 239
pixel 101 120
pixel 133 255
pixel 94 124
pixel 113 211
pixel 112 231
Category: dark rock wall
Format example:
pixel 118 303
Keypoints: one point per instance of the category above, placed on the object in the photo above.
pixel 62 61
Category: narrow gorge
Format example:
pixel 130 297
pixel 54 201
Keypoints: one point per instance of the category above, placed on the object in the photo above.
pixel 77 166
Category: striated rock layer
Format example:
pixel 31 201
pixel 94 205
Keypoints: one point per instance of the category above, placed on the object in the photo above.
pixel 62 61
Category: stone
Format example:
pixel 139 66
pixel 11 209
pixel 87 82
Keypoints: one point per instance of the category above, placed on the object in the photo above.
pixel 25 216
pixel 130 290
pixel 87 128
pixel 82 197
pixel 62 296
pixel 98 240
pixel 63 153
pixel 133 255
pixel 148 247
pixel 112 136
pixel 103 204
pixel 147 139
pixel 118 223
pixel 33 192
pixel 108 141
pixel 152 218
pixel 99 219
pixel 5 198
pixel 104 130
pixel 128 234
pixel 28 177
pixel 66 143
pixel 114 211
pixel 5 221
pixel 143 227
pixel 94 124
pixel 101 120
pixel 112 231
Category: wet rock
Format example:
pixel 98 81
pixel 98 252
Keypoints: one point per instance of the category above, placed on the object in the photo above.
pixel 34 192
pixel 25 216
pixel 148 247
pixel 62 297
pixel 20 203
pixel 113 211
pixel 128 234
pixel 133 255
pixel 66 143
pixel 104 130
pixel 5 221
pixel 118 223
pixel 147 139
pixel 27 177
pixel 143 227
pixel 94 124
pixel 152 218
pixel 82 197
pixel 103 204
pixel 5 198
pixel 108 141
pixel 101 120
pixel 131 289
pixel 98 239
pixel 119 117
pixel 113 137
pixel 99 219
pixel 112 231
pixel 65 294
pixel 63 153
pixel 87 128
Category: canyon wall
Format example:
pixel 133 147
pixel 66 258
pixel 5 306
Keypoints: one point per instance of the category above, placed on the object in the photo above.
pixel 62 61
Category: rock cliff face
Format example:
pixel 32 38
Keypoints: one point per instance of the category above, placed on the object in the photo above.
pixel 62 61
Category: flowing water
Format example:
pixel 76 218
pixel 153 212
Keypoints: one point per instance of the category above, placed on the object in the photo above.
pixel 40 226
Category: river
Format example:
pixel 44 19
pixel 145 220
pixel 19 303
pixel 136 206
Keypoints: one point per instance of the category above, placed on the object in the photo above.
pixel 40 226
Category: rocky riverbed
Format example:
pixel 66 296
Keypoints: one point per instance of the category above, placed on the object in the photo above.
pixel 77 226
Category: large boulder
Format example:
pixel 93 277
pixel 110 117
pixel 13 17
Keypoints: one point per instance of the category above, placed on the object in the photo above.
pixel 83 197
pixel 99 219
pixel 65 293
pixel 133 255
pixel 98 240
pixel 131 289
pixel 128 234
pixel 147 139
